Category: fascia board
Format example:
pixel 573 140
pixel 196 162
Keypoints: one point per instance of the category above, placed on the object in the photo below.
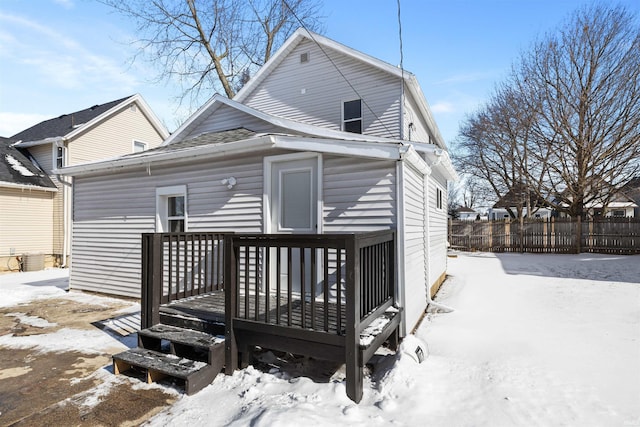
pixel 27 144
pixel 27 187
pixel 186 125
pixel 208 151
pixel 423 105
pixel 142 104
pixel 151 116
pixel 389 151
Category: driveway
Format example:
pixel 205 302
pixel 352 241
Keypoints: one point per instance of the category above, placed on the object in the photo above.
pixel 55 356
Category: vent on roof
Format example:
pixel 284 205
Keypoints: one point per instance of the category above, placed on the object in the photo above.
pixel 94 107
pixel 304 57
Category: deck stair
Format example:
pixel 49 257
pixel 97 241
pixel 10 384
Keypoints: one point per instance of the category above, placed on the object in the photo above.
pixel 194 358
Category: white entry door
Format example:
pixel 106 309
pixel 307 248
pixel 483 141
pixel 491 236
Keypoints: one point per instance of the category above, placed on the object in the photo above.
pixel 294 196
pixel 293 202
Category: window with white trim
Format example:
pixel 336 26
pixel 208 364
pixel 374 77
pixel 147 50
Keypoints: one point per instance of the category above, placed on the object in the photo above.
pixel 139 146
pixel 59 156
pixel 352 116
pixel 438 198
pixel 171 209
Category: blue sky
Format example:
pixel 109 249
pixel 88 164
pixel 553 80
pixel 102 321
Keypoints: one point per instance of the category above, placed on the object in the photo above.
pixel 59 56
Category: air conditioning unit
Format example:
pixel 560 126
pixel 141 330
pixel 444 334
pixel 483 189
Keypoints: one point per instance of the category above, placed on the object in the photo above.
pixel 33 262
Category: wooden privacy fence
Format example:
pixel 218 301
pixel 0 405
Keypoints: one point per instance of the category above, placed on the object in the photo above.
pixel 607 235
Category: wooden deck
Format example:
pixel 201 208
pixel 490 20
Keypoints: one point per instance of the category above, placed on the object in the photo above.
pixel 295 313
pixel 255 289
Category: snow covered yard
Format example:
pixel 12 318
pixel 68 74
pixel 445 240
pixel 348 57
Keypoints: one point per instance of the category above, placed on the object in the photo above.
pixel 546 340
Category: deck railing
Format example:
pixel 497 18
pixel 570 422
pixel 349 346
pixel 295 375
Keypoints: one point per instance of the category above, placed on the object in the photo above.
pixel 176 266
pixel 321 279
pixel 307 294
pixel 318 291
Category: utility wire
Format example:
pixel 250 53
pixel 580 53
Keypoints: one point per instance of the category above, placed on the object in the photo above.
pixel 401 68
pixel 338 68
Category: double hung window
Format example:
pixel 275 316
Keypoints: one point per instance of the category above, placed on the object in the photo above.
pixel 171 209
pixel 352 116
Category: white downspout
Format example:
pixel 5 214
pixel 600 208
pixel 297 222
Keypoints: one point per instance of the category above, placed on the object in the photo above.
pixel 400 289
pixel 65 219
pixel 66 186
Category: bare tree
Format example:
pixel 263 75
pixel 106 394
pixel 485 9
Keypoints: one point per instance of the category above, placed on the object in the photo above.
pixel 584 83
pixel 494 145
pixel 566 125
pixel 208 45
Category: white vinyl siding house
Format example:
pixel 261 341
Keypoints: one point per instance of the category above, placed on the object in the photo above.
pixel 284 121
pixel 304 97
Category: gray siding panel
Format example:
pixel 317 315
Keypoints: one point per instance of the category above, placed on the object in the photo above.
pixel 437 229
pixel 313 92
pixel 112 211
pixel 414 246
pixel 359 195
pixel 225 118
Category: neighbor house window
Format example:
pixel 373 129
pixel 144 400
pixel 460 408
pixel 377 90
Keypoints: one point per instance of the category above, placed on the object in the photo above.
pixel 59 155
pixel 171 209
pixel 139 146
pixel 619 213
pixel 352 116
pixel 438 198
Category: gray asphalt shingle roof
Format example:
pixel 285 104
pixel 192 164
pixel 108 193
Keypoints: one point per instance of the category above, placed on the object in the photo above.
pixel 220 137
pixel 66 123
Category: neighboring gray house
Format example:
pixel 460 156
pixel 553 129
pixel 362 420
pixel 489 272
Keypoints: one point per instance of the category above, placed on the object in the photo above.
pixel 298 150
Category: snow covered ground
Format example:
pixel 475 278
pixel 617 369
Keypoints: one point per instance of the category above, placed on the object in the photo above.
pixel 535 340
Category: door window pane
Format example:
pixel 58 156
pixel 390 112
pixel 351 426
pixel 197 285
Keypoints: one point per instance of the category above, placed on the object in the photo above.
pixel 295 200
pixel 176 206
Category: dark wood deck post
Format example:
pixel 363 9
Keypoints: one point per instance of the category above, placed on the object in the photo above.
pixel 151 279
pixel 352 350
pixel 231 303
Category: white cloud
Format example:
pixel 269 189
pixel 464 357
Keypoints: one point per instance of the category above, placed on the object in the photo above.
pixel 60 61
pixel 443 107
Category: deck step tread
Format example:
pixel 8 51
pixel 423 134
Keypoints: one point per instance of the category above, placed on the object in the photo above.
pixel 184 336
pixel 167 364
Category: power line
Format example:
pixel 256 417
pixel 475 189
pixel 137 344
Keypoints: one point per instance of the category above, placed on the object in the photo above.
pixel 338 68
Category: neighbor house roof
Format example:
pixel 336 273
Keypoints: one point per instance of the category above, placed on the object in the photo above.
pixel 18 171
pixel 64 124
pixel 517 196
pixel 69 125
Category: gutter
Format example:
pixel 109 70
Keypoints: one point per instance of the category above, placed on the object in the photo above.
pixel 29 187
pixel 168 156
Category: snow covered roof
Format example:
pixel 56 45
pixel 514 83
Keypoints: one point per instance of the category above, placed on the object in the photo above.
pixel 19 171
